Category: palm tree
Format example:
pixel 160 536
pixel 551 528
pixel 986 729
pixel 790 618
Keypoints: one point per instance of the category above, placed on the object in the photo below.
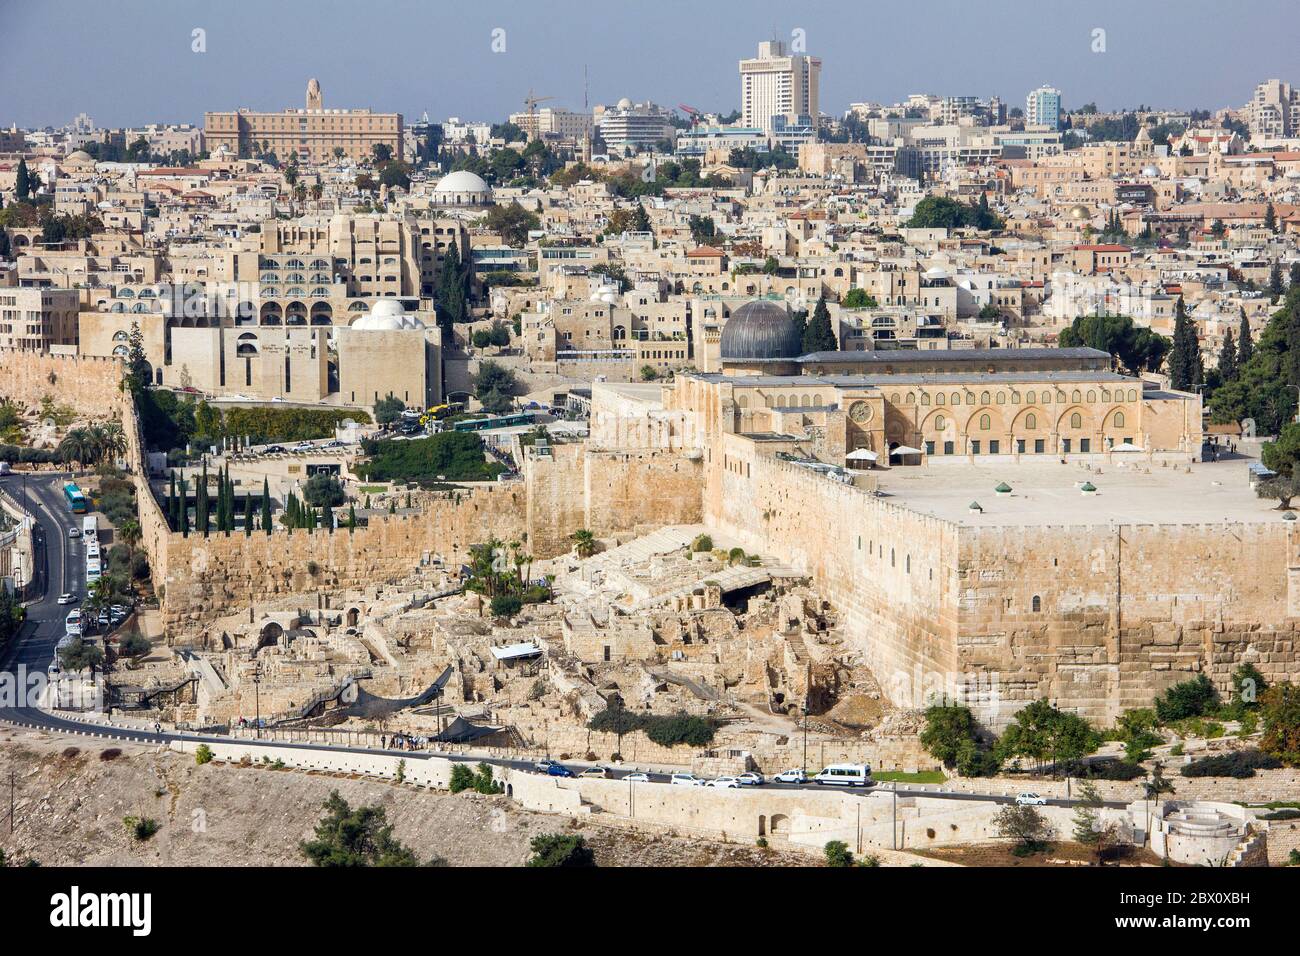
pixel 76 447
pixel 114 439
pixel 1154 787
pixel 317 190
pixel 584 543
pixel 130 534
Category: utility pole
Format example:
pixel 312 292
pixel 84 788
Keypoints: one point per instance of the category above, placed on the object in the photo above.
pixel 13 785
pixel 257 699
pixel 805 736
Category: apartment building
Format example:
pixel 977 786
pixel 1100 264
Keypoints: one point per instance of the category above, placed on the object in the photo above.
pixel 777 83
pixel 33 319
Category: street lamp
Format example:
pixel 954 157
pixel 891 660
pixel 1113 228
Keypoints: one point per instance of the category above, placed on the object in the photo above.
pixel 805 736
pixel 257 699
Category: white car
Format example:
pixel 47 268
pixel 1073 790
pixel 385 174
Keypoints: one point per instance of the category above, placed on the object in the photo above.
pixel 1030 800
pixel 751 778
pixel 725 783
pixel 637 778
pixel 74 532
pixel 687 780
pixel 791 776
pixel 67 599
pixel 594 772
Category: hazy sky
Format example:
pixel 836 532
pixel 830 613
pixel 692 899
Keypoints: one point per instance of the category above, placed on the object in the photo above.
pixel 128 62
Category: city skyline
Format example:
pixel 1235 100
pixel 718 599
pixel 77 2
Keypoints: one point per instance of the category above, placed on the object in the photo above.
pixel 669 53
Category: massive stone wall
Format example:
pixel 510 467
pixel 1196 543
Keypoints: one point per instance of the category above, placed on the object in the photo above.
pixel 1104 617
pixel 608 492
pixel 89 385
pixel 212 575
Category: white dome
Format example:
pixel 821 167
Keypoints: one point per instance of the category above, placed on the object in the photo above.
pixel 625 104
pixel 1150 171
pixel 387 315
pixel 462 181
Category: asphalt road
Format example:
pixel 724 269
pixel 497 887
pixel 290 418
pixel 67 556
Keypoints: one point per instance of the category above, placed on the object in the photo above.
pixel 59 563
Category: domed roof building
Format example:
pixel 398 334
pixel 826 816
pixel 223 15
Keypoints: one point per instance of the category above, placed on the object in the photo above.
pixel 386 316
pixel 462 188
pixel 760 330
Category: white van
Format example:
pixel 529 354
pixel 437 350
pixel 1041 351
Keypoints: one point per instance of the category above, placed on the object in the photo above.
pixel 845 775
pixel 72 624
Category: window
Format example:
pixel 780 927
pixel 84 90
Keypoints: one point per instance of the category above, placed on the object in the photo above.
pixel 1075 396
pixel 939 399
pixel 947 448
pixel 1119 420
pixel 994 446
pixel 1076 420
pixel 1037 604
pixel 925 398
pixel 975 448
pixel 1038 446
pixel 929 448
pixel 956 399
pixel 985 423
pixel 1031 421
pixel 1085 444
pixel 984 398
pixel 939 423
pixel 1065 445
pixel 1020 446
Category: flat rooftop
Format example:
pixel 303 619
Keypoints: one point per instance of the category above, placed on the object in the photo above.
pixel 1047 493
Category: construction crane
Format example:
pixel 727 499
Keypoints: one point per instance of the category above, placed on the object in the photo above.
pixel 692 112
pixel 531 101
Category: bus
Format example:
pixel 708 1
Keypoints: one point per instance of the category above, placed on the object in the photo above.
pixel 76 500
pixel 90 528
pixel 500 421
pixel 93 571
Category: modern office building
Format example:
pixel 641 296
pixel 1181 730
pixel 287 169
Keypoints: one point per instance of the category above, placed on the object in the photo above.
pixel 310 135
pixel 1043 108
pixel 630 127
pixel 550 122
pixel 779 83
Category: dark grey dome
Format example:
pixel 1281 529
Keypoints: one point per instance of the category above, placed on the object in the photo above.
pixel 760 330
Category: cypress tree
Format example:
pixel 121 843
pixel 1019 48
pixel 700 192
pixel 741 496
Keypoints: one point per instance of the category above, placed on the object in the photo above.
pixel 248 516
pixel 1228 359
pixel 352 517
pixel 23 182
pixel 201 503
pixel 266 506
pixel 327 517
pixel 185 509
pixel 172 519
pixel 1245 345
pixel 819 336
pixel 1185 366
pixel 221 499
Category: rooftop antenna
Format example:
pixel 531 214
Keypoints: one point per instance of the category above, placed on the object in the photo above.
pixel 584 88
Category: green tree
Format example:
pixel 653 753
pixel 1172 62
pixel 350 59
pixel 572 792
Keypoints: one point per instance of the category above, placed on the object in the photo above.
pixel 1227 367
pixel 322 490
pixel 584 543
pixel 558 849
pixel 494 386
pixel 1245 344
pixel 819 336
pixel 23 181
pixel 1185 366
pixel 1191 698
pixel 1137 349
pixel 858 299
pixel 1280 714
pixel 266 507
pixel 79 655
pixel 512 223
pixel 1044 734
pixel 1024 824
pixel 360 837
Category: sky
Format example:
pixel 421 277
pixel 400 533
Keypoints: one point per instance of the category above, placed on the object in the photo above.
pixel 129 62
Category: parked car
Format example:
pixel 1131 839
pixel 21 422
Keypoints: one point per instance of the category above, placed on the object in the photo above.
pixel 686 780
pixel 845 775
pixel 595 772
pixel 544 764
pixel 74 532
pixel 751 778
pixel 335 443
pixel 1030 800
pixel 304 446
pixel 102 620
pixel 637 778
pixel 67 599
pixel 725 783
pixel 273 450
pixel 559 770
pixel 791 776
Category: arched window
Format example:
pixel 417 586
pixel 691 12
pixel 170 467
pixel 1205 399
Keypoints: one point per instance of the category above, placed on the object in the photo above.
pixel 1092 396
pixel 925 398
pixel 1031 421
pixel 1075 396
pixel 1002 399
pixel 939 423
pixel 940 399
pixel 985 423
pixel 984 398
pixel 1076 420
pixel 1037 604
pixel 1132 394
pixel 1030 398
pixel 910 399
pixel 1119 419
pixel 956 399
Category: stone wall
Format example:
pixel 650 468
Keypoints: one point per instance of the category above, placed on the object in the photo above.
pixel 208 576
pixel 89 385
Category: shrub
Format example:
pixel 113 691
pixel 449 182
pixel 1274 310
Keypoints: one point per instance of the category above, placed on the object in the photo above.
pixel 506 605
pixel 203 754
pixel 112 753
pixel 1239 764
pixel 140 829
pixel 838 853
pixel 1191 698
pixel 557 849
pixel 702 543
pixel 1112 769
pixel 1282 815
pixel 462 778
